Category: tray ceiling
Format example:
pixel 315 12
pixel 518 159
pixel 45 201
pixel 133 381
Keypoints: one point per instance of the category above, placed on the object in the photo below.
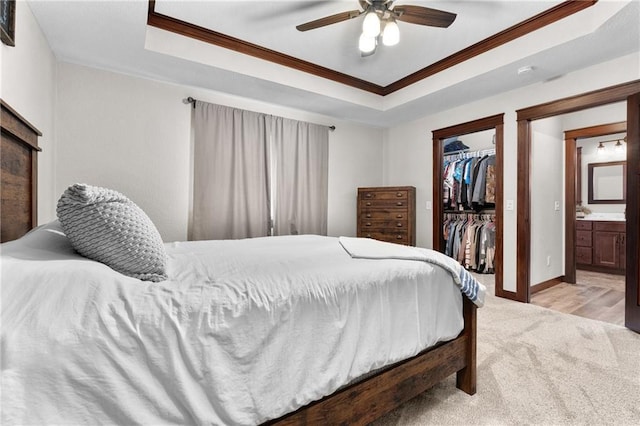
pixel 114 35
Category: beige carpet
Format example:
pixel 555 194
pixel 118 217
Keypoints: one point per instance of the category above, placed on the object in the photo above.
pixel 537 366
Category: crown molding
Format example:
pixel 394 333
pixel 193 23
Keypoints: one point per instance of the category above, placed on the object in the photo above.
pixel 525 27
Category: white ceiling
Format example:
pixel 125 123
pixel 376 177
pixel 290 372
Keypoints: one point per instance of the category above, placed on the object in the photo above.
pixel 272 24
pixel 113 35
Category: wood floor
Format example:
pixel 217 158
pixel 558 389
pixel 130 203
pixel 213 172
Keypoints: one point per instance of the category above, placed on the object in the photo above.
pixel 595 295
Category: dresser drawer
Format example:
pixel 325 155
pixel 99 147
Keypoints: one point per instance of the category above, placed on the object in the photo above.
pixel 610 226
pixel 584 255
pixel 381 204
pixel 583 238
pixel 383 214
pixel 584 225
pixel 384 195
pixel 383 224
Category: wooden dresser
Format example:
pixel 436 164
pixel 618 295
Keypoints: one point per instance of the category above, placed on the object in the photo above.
pixel 388 214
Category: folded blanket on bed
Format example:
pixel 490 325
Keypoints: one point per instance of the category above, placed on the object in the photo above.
pixel 367 248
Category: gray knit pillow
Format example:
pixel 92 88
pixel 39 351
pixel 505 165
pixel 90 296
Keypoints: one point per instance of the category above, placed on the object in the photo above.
pixel 106 226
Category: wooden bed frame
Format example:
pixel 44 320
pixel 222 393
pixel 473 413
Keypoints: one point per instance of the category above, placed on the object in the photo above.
pixel 365 401
pixel 360 403
pixel 19 187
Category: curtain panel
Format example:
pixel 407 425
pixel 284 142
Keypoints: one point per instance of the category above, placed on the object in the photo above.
pixel 257 175
pixel 231 173
pixel 301 162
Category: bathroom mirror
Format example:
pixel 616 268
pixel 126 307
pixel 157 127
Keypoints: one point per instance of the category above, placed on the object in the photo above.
pixel 607 182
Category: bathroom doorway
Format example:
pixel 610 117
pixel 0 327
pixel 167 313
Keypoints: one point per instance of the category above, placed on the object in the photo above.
pixel 629 92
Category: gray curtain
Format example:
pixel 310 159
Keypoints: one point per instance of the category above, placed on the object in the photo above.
pixel 231 173
pixel 301 152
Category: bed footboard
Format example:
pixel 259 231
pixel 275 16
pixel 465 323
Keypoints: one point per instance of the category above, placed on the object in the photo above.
pixel 466 378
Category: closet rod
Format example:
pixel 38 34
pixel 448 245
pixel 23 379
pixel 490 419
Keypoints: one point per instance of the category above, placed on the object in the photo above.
pixel 192 101
pixel 470 154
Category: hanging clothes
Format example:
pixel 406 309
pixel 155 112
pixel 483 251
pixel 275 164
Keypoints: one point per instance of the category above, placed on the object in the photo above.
pixel 471 240
pixel 469 181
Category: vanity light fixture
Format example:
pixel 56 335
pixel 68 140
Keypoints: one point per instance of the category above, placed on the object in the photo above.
pixel 618 148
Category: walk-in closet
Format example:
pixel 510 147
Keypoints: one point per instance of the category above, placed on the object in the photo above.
pixel 468 193
pixel 469 176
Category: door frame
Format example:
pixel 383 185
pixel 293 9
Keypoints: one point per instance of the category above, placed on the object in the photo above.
pixel 629 92
pixel 570 183
pixel 487 123
pixel 632 290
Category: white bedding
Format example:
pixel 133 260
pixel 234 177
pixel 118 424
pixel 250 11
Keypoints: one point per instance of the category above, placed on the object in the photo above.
pixel 235 336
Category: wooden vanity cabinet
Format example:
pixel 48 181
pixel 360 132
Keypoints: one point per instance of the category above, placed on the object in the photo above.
pixel 609 249
pixel 584 242
pixel 601 246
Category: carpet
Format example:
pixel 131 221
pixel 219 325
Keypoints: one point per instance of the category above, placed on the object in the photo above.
pixel 538 366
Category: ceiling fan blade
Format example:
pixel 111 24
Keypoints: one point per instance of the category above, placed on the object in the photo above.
pixel 424 16
pixel 328 20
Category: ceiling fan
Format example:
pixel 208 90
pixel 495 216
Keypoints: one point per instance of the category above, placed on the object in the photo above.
pixel 380 21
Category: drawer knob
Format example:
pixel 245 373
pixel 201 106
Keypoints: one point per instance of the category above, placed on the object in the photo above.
pixel 368 235
pixel 368 195
pixel 399 203
pixel 399 194
pixel 399 216
pixel 368 215
pixel 399 224
pixel 368 203
pixel 367 224
pixel 398 237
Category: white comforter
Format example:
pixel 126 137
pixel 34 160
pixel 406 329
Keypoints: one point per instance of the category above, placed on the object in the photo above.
pixel 243 332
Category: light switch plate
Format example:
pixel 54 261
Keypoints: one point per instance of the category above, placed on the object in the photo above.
pixel 509 204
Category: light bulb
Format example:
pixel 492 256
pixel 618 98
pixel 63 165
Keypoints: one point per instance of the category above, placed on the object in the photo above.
pixel 619 148
pixel 371 24
pixel 366 44
pixel 391 34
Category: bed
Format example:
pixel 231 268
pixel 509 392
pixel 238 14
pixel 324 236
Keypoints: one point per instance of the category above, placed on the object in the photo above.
pixel 277 330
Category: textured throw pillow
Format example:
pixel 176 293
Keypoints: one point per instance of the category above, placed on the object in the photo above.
pixel 106 226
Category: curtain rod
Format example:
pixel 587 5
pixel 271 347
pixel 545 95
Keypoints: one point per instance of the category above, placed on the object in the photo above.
pixel 192 101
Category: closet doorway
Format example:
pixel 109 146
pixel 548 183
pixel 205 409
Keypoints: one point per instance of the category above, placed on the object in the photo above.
pixel 495 124
pixel 629 93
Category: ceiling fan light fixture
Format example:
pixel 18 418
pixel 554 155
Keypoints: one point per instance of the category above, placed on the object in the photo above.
pixel 391 34
pixel 366 44
pixel 379 25
pixel 371 24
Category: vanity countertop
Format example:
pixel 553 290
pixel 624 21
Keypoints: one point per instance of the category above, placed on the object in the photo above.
pixel 609 217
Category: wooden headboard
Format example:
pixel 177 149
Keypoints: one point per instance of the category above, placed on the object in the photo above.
pixel 19 185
